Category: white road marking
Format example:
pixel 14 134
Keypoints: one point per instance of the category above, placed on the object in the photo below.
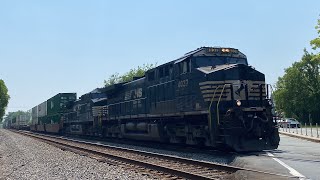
pixel 291 170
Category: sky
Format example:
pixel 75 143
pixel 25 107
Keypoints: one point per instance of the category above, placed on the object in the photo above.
pixel 48 47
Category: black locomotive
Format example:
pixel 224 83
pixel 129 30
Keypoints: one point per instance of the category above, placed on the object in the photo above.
pixel 208 97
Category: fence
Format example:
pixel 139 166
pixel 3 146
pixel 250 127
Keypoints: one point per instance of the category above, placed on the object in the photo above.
pixel 311 131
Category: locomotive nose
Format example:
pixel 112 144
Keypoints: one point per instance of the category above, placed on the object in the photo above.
pixel 231 72
pixel 237 82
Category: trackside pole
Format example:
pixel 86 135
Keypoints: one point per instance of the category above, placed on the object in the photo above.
pixel 289 128
pixel 311 130
pixel 305 125
pixel 286 127
pixel 317 130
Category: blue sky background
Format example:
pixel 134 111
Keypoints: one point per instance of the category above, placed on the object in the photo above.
pixel 47 47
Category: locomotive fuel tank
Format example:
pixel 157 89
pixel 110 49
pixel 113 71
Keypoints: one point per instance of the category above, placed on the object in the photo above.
pixel 138 127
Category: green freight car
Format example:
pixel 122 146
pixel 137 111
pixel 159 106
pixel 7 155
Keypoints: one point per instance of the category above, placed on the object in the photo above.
pixel 55 107
pixel 58 103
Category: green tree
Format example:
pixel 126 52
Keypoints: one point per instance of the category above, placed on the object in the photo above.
pixel 4 98
pixel 135 72
pixel 315 43
pixel 297 92
pixel 12 115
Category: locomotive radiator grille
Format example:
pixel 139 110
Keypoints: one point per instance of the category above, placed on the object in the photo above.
pixel 99 111
pixel 254 90
pixel 215 88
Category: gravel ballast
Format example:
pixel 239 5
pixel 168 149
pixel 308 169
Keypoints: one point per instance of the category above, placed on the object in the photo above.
pixel 26 158
pixel 215 156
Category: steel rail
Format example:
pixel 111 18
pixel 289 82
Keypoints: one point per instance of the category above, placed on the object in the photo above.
pixel 194 169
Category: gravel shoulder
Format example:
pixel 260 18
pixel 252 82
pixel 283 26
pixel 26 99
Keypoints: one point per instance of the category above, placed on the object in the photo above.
pixel 25 158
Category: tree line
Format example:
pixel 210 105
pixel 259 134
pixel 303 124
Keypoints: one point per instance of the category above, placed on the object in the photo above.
pixel 12 115
pixel 4 99
pixel 128 76
pixel 297 92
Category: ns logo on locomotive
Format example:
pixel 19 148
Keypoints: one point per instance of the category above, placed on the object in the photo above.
pixel 208 97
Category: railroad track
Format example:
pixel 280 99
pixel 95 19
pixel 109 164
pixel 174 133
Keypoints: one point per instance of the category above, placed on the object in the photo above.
pixel 160 165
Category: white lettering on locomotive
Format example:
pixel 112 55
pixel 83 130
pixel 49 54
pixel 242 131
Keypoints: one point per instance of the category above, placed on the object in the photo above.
pixel 183 83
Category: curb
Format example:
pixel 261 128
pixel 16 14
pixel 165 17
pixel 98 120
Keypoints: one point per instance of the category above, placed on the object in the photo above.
pixel 313 139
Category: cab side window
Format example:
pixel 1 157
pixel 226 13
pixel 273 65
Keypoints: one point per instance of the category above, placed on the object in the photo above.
pixel 185 66
pixel 166 70
pixel 151 76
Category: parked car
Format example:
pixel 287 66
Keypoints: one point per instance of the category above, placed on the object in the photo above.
pixel 289 122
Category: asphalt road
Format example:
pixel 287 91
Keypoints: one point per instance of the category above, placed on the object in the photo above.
pixel 294 157
pixel 301 155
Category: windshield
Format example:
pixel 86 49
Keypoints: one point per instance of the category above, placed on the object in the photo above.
pixel 290 119
pixel 213 61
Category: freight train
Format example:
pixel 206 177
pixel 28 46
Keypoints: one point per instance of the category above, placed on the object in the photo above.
pixel 208 97
pixel 19 122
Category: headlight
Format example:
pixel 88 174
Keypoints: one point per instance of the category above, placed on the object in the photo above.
pixel 238 103
pixel 225 50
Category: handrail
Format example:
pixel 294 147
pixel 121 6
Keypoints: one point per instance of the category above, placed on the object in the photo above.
pixel 218 116
pixel 210 119
pixel 269 96
pixel 271 90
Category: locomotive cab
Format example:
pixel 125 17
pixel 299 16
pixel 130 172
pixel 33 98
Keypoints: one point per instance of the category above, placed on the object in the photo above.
pixel 220 83
pixel 238 102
